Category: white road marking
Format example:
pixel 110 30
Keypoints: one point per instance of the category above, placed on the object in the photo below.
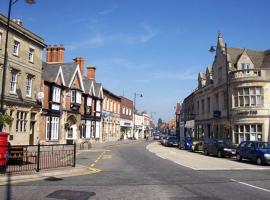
pixel 253 186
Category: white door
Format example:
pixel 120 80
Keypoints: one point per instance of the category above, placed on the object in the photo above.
pixel 88 129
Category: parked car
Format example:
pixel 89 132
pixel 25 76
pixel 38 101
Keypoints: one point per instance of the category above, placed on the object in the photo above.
pixel 163 139
pixel 156 136
pixel 186 143
pixel 197 145
pixel 220 148
pixel 256 151
pixel 171 141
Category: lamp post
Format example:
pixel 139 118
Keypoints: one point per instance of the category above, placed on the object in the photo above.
pixel 134 109
pixel 11 2
pixel 212 49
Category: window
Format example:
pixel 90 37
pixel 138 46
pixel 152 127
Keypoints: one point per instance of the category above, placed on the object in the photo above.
pixel 203 106
pixel 28 86
pixel 246 97
pixel 198 107
pixel 124 110
pixel 31 55
pixel 208 105
pixel 248 132
pixel 52 128
pixel 98 106
pixel 13 80
pixel 217 101
pixel 16 47
pixel 86 130
pixel 56 94
pixel 21 122
pixel 245 67
pixel 76 96
pixel 89 101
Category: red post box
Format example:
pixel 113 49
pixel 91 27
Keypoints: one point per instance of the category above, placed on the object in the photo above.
pixel 3 148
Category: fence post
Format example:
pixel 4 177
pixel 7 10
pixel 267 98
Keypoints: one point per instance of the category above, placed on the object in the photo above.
pixel 74 157
pixel 38 157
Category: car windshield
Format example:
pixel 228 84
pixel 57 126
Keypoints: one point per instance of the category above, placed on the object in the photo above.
pixel 224 142
pixel 263 145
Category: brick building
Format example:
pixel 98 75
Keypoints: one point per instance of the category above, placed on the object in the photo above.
pixel 72 102
pixel 126 117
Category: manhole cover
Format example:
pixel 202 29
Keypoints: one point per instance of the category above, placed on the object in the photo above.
pixel 71 195
pixel 52 178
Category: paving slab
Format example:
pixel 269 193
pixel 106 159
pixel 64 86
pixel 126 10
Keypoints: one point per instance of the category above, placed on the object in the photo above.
pixel 198 161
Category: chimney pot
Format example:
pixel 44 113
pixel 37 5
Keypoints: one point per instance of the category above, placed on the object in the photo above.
pixel 80 61
pixel 55 54
pixel 91 72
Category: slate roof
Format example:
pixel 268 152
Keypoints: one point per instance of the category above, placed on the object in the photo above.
pixel 259 58
pixel 97 87
pixel 87 84
pixel 68 71
pixel 49 72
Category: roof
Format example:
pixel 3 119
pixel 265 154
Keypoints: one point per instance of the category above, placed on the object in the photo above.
pixel 68 71
pixel 97 87
pixel 87 84
pixel 49 73
pixel 260 59
pixel 110 93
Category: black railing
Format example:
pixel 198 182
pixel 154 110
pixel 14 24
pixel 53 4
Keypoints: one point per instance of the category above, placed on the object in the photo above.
pixel 27 158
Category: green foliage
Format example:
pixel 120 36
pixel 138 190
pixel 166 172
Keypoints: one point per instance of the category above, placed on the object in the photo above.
pixel 5 120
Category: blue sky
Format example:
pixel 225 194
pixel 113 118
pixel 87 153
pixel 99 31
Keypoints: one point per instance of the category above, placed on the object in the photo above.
pixel 153 47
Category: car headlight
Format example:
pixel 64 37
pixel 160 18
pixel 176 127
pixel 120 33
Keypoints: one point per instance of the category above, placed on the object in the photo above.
pixel 267 155
pixel 225 149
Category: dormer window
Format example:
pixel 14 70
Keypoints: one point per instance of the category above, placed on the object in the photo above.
pixel 245 67
pixel 76 96
pixel 88 105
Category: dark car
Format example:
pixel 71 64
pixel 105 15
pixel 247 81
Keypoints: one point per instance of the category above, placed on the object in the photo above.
pixel 220 148
pixel 256 151
pixel 171 141
pixel 186 143
pixel 163 139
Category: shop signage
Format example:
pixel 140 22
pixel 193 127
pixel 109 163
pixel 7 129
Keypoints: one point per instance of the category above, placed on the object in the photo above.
pixel 248 112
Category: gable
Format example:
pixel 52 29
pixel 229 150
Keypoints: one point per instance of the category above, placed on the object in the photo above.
pixel 100 95
pixel 244 59
pixel 76 80
pixel 60 78
pixel 92 89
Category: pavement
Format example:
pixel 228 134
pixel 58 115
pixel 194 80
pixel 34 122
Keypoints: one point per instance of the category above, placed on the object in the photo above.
pixel 82 168
pixel 131 171
pixel 198 161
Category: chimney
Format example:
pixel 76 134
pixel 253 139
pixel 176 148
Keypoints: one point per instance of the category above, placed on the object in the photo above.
pixel 55 54
pixel 80 61
pixel 91 72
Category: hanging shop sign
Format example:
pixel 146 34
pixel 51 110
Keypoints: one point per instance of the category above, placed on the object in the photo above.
pixel 247 112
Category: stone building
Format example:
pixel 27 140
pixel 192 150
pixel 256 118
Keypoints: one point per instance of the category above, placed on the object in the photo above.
pixel 111 116
pixel 232 99
pixel 23 81
pixel 126 117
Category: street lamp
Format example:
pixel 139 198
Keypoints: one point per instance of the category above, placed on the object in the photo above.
pixel 134 109
pixel 212 50
pixel 11 2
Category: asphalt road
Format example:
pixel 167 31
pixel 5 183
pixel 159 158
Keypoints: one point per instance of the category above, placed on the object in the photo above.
pixel 130 171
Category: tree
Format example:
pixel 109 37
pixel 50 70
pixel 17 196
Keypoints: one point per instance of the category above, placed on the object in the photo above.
pixel 160 122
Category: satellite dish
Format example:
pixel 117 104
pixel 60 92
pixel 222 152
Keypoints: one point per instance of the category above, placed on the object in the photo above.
pixel 40 96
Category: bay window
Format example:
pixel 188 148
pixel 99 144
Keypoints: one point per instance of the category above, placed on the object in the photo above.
pixel 56 94
pixel 246 97
pixel 76 96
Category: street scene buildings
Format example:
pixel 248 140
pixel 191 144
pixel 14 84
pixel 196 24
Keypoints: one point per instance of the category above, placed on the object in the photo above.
pixel 56 102
pixel 231 100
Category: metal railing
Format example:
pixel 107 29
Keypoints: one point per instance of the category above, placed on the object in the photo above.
pixel 27 158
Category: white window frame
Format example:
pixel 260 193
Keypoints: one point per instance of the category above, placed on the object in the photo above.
pixel 29 80
pixel 56 96
pixel 31 55
pixel 248 97
pixel 53 126
pixel 246 67
pixel 89 101
pixel 21 121
pixel 16 48
pixel 76 96
pixel 13 82
pixel 248 132
pixel 98 106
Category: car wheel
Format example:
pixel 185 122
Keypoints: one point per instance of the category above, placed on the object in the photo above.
pixel 238 157
pixel 206 152
pixel 259 161
pixel 219 154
